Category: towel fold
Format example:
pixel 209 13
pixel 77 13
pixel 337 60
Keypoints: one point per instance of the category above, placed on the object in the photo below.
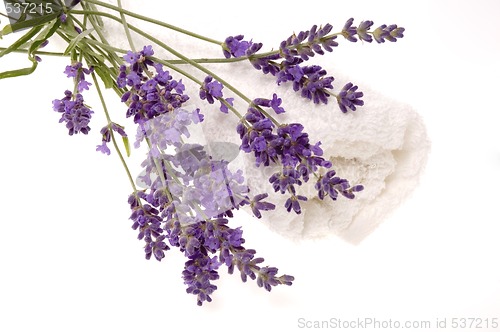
pixel 383 146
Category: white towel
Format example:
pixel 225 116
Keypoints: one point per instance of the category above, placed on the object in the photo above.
pixel 383 146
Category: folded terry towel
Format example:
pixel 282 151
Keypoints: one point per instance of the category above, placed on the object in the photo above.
pixel 383 146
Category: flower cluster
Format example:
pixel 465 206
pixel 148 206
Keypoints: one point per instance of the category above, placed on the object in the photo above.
pixel 187 203
pixel 72 107
pixel 288 146
pixel 189 196
pixel 148 95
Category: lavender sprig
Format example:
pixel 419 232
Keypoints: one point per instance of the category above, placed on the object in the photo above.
pixel 311 81
pixel 148 96
pixel 74 112
pixel 286 145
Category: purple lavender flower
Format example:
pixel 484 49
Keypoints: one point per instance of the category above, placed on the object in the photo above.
pixel 332 185
pixel 235 46
pixel 286 145
pixel 74 113
pixel 312 81
pixel 309 80
pixel 349 97
pixel 267 63
pixel 77 72
pixel 362 31
pixel 293 203
pixel 103 147
pixel 266 277
pixel 274 103
pixel 307 43
pixel 210 90
pixel 106 137
pixel 258 205
pixel 198 273
pixel 156 247
pixel 145 218
pixel 72 71
pixel 348 31
pixel 224 105
pixel 167 129
pixel 185 205
pixel 390 33
pixel 381 34
pixel 148 97
pixel 147 50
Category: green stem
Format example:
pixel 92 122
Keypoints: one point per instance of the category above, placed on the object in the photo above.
pixel 210 60
pixel 125 27
pixel 22 50
pixel 175 53
pixel 97 29
pixel 168 63
pixel 157 22
pixel 113 139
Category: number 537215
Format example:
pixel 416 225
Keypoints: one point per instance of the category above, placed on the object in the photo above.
pixel 29 8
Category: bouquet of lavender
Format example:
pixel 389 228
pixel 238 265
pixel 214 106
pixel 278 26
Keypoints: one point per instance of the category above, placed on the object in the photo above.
pixel 188 191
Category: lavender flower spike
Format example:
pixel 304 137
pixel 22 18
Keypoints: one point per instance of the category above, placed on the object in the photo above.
pixel 349 97
pixel 381 34
pixel 74 113
pixel 390 33
pixel 186 206
pixel 148 94
pixel 307 43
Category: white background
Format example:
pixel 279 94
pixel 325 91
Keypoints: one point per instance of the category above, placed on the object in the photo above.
pixel 70 262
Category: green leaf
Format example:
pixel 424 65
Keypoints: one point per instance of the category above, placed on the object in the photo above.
pixel 5 31
pixel 92 57
pixel 105 76
pixel 20 72
pixel 21 41
pixel 77 39
pixel 127 145
pixel 34 22
pixel 49 30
